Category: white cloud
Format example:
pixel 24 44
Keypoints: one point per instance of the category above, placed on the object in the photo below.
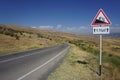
pixel 79 30
pixel 34 27
pixel 46 27
pixel 70 28
pixel 58 26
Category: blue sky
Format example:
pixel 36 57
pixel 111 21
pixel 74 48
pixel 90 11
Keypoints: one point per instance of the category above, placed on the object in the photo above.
pixel 65 15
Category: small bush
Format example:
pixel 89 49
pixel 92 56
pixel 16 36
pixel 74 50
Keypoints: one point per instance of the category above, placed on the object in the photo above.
pixel 30 36
pixel 17 37
pixel 21 33
pixel 110 55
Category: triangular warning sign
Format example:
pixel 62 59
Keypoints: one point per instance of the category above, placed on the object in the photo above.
pixel 100 19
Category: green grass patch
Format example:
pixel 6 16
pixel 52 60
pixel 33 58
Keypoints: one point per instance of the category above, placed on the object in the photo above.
pixel 107 58
pixel 115 60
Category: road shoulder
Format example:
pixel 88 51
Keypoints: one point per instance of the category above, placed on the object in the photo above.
pixel 75 66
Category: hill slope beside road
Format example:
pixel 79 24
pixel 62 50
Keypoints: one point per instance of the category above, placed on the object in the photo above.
pixel 14 38
pixel 32 65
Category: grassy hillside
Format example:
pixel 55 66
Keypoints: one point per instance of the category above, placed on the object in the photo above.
pixel 85 49
pixel 16 38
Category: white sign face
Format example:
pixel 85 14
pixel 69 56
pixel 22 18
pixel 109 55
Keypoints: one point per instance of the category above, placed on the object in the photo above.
pixel 101 30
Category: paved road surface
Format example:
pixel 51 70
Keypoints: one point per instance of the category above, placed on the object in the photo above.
pixel 32 65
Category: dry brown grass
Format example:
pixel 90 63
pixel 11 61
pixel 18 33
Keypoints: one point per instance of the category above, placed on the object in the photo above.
pixel 110 45
pixel 30 38
pixel 71 69
pixel 15 38
pixel 81 65
pixel 111 54
pixel 10 44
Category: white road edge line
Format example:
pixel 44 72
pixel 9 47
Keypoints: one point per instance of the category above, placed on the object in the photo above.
pixel 22 77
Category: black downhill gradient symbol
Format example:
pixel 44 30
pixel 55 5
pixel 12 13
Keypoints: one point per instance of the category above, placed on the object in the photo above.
pixel 100 20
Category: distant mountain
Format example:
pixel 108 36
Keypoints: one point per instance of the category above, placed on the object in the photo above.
pixel 113 35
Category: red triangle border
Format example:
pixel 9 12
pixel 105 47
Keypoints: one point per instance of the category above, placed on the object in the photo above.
pixel 99 24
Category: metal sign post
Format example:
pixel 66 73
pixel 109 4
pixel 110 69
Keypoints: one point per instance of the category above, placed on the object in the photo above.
pixel 100 66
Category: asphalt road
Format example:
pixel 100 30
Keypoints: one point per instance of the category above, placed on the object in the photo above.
pixel 32 65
